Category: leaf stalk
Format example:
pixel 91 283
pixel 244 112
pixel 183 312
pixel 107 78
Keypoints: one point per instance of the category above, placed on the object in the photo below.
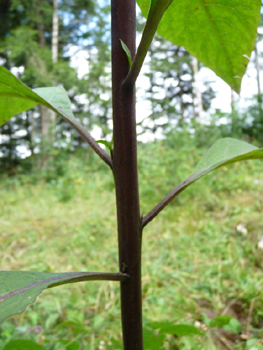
pixel 155 15
pixel 87 137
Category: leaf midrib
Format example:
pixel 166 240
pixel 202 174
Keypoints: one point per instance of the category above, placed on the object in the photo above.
pixel 219 38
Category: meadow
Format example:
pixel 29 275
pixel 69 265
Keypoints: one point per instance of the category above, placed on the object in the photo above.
pixel 201 255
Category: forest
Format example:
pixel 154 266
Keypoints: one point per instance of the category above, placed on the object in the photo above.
pixel 203 257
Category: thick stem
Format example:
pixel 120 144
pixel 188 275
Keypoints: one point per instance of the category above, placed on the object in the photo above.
pixel 125 173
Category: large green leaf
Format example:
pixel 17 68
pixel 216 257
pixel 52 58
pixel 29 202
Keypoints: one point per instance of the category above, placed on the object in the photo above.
pixel 151 341
pixel 179 330
pixel 15 97
pixel 222 152
pixel 23 345
pixel 220 33
pixel 18 289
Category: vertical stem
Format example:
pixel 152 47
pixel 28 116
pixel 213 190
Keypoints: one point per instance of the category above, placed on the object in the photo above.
pixel 198 90
pixel 55 28
pixel 125 173
pixel 258 79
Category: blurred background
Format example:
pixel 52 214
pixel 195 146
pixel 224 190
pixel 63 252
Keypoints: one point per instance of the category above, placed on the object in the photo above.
pixel 202 255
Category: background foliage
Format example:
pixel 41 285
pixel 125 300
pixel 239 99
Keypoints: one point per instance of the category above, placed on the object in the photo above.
pixel 210 267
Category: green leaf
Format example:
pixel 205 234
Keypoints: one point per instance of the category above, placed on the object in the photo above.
pixel 73 346
pixel 156 11
pixel 116 344
pixel 179 330
pixel 105 143
pixel 226 151
pixel 222 152
pixel 206 319
pixel 127 51
pixel 70 345
pixel 151 341
pixel 18 289
pixel 220 321
pixel 220 33
pixel 15 97
pixel 233 326
pixel 251 342
pixel 57 98
pixel 22 345
pixel 162 4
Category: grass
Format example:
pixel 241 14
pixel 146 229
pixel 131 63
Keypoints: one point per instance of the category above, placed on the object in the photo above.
pixel 194 259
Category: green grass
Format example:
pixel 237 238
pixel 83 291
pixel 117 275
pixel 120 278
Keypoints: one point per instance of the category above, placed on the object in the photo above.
pixel 194 259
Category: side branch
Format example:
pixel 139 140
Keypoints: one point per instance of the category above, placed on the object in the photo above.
pixel 161 205
pixel 154 17
pixel 87 137
pixel 94 276
pixel 174 193
pixel 139 58
pixel 72 278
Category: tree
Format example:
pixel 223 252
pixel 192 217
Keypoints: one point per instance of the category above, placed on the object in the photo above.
pixel 174 91
pixel 34 41
pixel 126 65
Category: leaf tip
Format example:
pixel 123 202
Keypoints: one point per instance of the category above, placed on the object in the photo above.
pixel 127 51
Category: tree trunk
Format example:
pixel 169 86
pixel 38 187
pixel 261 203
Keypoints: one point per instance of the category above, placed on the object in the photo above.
pixel 55 32
pixel 181 100
pixel 40 25
pixel 33 133
pixel 48 120
pixel 258 78
pixel 198 93
pixel 125 173
pixel 48 117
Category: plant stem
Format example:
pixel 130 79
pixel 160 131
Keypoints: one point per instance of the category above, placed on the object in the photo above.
pixel 86 137
pixel 125 173
pixel 154 17
pixel 167 199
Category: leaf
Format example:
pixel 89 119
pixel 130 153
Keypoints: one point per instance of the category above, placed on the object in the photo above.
pixel 157 5
pixel 106 144
pixel 18 289
pixel 22 345
pixel 222 152
pixel 151 341
pixel 206 319
pixel 70 345
pixel 57 98
pixel 127 51
pixel 73 346
pixel 116 344
pixel 250 342
pixel 179 330
pixel 15 97
pixel 220 33
pixel 233 326
pixel 220 321
pixel 156 11
pixel 226 151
